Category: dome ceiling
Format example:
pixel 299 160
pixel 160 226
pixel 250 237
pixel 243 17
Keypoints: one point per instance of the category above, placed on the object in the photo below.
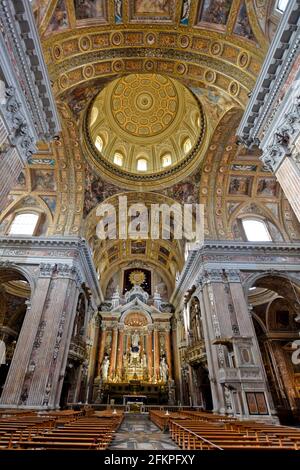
pixel 216 49
pixel 145 125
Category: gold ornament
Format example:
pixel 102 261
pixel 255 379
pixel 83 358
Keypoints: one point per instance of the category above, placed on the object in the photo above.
pixel 137 277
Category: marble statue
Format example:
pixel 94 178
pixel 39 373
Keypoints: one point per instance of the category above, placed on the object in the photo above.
pixel 135 340
pixel 163 370
pixel 104 369
pixel 144 361
pixel 135 348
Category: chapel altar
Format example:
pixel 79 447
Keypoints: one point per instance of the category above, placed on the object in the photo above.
pixel 134 354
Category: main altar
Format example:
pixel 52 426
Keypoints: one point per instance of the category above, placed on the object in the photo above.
pixel 134 353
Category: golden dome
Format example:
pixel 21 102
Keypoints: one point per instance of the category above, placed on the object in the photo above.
pixel 143 126
pixel 143 105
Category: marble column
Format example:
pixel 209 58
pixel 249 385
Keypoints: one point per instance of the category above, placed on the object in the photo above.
pixel 176 355
pixel 101 348
pixel 38 365
pixel 246 330
pixel 150 354
pixel 288 175
pixel 113 354
pixel 156 354
pixel 120 352
pixel 93 363
pixel 169 353
pixel 11 166
pixel 211 329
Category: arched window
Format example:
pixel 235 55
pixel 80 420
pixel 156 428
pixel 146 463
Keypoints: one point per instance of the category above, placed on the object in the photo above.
pixel 99 143
pixel 281 5
pixel 166 160
pixel 94 115
pixel 118 159
pixel 256 230
pixel 142 164
pixel 187 145
pixel 24 224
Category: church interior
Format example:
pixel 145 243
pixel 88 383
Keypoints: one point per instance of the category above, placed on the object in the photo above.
pixel 149 106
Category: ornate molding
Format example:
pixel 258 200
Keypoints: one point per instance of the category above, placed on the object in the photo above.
pixel 46 269
pixel 34 249
pixel 233 275
pixel 281 56
pixel 283 139
pixel 203 266
pixel 22 56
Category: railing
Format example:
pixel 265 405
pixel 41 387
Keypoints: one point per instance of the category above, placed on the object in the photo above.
pixel 77 348
pixel 146 408
pixel 173 408
pixel 195 351
pixel 191 438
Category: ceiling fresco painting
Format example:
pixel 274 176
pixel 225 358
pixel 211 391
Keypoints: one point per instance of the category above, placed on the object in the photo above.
pixel 163 81
pixel 90 9
pixel 242 26
pixel 59 20
pixel 214 11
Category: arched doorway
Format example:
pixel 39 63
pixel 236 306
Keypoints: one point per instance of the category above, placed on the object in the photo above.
pixel 275 308
pixel 15 293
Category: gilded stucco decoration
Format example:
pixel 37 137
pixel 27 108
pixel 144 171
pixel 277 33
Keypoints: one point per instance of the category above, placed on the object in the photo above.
pixel 235 184
pixel 216 53
pixel 145 116
pixel 163 256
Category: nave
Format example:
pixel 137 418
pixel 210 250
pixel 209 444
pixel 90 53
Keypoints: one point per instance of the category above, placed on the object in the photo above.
pixel 137 432
pixel 160 429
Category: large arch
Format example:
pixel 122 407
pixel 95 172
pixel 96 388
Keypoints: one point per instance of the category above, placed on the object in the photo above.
pixel 276 327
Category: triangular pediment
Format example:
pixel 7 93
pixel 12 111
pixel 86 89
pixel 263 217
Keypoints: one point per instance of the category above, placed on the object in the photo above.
pixel 136 304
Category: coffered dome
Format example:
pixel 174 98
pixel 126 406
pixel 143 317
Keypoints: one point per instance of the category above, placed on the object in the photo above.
pixel 143 126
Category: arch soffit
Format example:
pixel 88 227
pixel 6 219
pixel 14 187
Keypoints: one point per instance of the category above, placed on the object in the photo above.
pixel 21 270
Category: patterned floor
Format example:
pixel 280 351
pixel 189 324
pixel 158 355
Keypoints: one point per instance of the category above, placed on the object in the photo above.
pixel 137 432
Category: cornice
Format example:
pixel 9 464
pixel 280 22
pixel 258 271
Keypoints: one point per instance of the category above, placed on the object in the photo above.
pixel 22 45
pixel 231 255
pixel 83 260
pixel 275 69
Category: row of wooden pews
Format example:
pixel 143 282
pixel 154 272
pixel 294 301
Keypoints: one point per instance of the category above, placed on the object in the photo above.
pixel 66 430
pixel 207 431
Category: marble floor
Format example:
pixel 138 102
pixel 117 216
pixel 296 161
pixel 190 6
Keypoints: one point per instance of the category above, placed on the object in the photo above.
pixel 138 432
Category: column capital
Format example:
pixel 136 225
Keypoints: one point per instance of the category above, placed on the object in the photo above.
pixel 69 271
pixel 46 269
pixel 211 275
pixel 233 275
pixel 273 156
pixel 283 138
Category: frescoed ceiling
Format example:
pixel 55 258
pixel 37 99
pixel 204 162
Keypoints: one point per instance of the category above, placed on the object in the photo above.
pixel 210 52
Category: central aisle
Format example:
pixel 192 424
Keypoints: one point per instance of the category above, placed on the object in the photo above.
pixel 138 432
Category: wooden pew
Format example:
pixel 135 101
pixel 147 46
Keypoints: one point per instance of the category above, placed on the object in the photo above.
pixel 203 431
pixel 59 430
